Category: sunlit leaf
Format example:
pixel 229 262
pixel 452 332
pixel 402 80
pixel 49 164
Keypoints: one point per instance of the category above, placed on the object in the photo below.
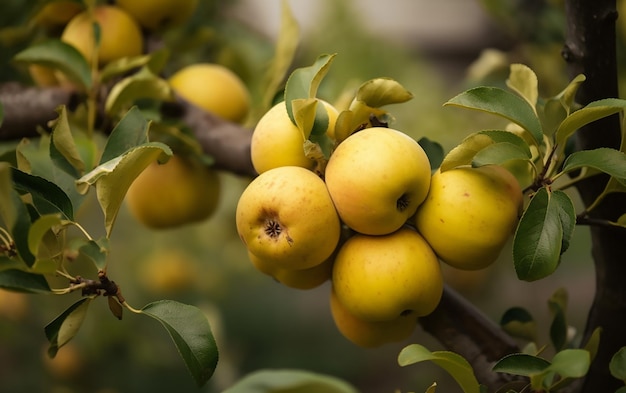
pixel 63 150
pixel 304 113
pixel 570 363
pixel 593 111
pixel 21 281
pixel 593 343
pixel 538 238
pixel 380 92
pixel 523 80
pixel 304 82
pixel 521 364
pixel 39 228
pixel 113 178
pixel 453 363
pixel 568 95
pixel 501 103
pixel 143 84
pixel 58 55
pixel 610 161
pixel 191 333
pixel 618 364
pixel 287 380
pixel 464 153
pixel 65 326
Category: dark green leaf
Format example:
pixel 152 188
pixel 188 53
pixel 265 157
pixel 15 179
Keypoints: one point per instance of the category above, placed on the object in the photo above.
pixel 303 82
pixel 64 327
pixel 131 131
pixel 191 333
pixel 618 364
pixel 433 150
pixel 59 55
pixel 21 281
pixel 610 161
pixel 567 215
pixel 518 322
pixel 521 364
pixel 453 363
pixel 47 196
pixel 289 381
pixel 538 238
pixel 96 252
pixel 501 103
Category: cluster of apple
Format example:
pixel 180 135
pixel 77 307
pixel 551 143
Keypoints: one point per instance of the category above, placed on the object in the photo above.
pixel 375 223
pixel 189 189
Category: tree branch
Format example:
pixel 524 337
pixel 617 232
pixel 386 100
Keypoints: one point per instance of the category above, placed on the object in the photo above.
pixel 590 49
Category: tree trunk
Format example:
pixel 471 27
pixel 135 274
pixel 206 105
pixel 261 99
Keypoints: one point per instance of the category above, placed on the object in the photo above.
pixel 590 49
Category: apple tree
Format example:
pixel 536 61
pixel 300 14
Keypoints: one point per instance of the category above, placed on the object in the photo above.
pixel 99 125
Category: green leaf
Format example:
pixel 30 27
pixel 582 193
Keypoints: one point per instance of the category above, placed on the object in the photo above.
pixel 130 131
pixel 464 153
pixel 499 153
pixel 558 327
pixel 59 55
pixel 8 208
pixel 610 161
pixel 292 381
pixel 304 113
pixel 567 216
pixel 568 95
pixel 303 82
pixel 523 81
pixel 63 150
pixel 518 322
pixel 47 196
pixel 379 92
pixel 570 363
pixel 593 343
pixel 191 333
pixel 143 84
pixel 593 111
pixel 501 103
pixel 621 390
pixel 113 178
pixel 286 45
pixel 521 364
pixel 65 326
pixel 453 363
pixel 96 252
pixel 153 62
pixel 39 228
pixel 21 281
pixel 433 150
pixel 617 366
pixel 538 238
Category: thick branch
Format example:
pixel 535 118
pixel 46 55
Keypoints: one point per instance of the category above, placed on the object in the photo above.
pixel 462 328
pixel 590 50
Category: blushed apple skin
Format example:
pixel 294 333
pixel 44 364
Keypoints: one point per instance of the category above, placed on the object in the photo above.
pixel 469 214
pixel 286 217
pixel 380 278
pixel 370 172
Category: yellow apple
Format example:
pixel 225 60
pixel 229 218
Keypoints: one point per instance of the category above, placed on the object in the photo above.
pixel 159 14
pixel 120 35
pixel 276 141
pixel 214 88
pixel 168 270
pixel 57 13
pixel 469 214
pixel 308 278
pixel 178 192
pixel 377 178
pixel 380 278
pixel 286 218
pixel 370 334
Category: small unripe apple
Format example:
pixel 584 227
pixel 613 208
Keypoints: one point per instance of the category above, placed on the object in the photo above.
pixel 286 218
pixel 370 334
pixel 276 141
pixel 179 192
pixel 469 214
pixel 120 35
pixel 381 278
pixel 377 178
pixel 214 88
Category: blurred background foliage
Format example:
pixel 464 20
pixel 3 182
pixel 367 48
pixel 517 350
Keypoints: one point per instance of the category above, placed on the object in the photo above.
pixel 436 50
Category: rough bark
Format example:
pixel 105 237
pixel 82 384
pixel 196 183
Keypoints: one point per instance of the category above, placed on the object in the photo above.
pixel 590 49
